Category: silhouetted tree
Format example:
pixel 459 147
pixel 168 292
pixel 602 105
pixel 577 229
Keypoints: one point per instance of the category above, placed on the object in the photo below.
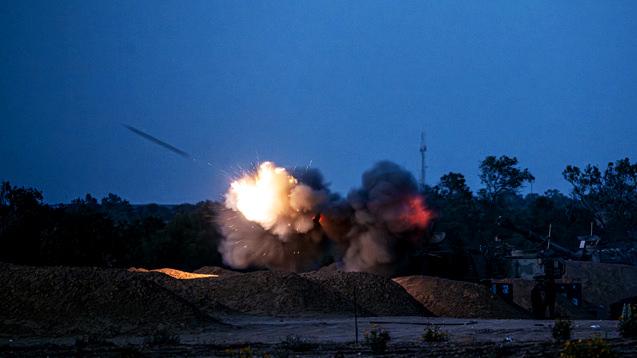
pixel 610 196
pixel 501 176
pixel 453 187
pixel 22 218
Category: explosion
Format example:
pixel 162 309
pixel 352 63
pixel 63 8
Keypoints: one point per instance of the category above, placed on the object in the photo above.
pixel 275 199
pixel 286 220
pixel 261 198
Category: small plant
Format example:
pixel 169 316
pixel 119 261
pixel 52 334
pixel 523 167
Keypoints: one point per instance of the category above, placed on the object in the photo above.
pixel 241 352
pixel 162 337
pixel 562 329
pixel 295 343
pixel 90 340
pixel 246 352
pixel 377 338
pixel 585 348
pixel 628 322
pixel 434 334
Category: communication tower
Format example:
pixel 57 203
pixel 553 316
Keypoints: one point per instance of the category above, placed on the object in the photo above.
pixel 423 162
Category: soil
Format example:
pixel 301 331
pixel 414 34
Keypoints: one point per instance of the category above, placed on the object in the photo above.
pixel 276 293
pixel 289 294
pixel 88 300
pixel 451 298
pixel 563 308
pixel 216 270
pixel 602 284
pixel 327 337
pixel 181 275
pixel 376 295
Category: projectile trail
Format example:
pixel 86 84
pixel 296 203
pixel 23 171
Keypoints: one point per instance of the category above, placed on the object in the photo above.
pixel 158 141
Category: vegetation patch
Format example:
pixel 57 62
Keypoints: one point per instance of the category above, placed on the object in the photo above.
pixel 587 348
pixel 377 339
pixel 434 334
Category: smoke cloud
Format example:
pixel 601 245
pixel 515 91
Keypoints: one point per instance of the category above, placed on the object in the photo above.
pixel 288 220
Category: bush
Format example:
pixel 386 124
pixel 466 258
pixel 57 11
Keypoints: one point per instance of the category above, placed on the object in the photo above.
pixel 628 322
pixel 241 352
pixel 295 343
pixel 90 340
pixel 562 329
pixel 587 348
pixel 434 335
pixel 377 338
pixel 162 337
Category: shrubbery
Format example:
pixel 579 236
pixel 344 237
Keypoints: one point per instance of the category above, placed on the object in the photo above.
pixel 562 330
pixel 162 337
pixel 377 338
pixel 295 343
pixel 587 348
pixel 434 334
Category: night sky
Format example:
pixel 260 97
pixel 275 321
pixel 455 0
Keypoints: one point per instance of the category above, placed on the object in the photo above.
pixel 335 85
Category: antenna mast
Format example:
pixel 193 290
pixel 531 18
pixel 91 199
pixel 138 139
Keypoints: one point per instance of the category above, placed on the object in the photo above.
pixel 423 162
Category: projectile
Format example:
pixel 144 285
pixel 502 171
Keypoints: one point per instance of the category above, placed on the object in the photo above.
pixel 158 141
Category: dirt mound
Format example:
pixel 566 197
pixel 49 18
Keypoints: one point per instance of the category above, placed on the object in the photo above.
pixel 602 284
pixel 200 291
pixel 68 300
pixel 276 293
pixel 216 270
pixel 376 295
pixel 181 275
pixel 458 299
pixel 279 293
pixel 521 289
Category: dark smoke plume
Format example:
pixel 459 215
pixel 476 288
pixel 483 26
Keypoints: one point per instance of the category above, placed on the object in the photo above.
pixel 302 223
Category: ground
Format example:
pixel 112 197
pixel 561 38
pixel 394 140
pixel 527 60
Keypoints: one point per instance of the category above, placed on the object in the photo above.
pixel 89 311
pixel 330 336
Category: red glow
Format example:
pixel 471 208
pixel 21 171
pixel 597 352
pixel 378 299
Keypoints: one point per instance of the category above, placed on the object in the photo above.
pixel 417 215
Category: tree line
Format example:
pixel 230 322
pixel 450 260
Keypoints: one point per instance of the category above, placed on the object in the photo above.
pixel 110 232
pixel 605 198
pixel 113 233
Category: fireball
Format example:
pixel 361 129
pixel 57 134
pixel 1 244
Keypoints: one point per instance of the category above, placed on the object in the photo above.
pixel 262 197
pixel 275 200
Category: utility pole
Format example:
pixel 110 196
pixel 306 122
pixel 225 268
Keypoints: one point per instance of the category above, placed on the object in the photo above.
pixel 355 315
pixel 423 160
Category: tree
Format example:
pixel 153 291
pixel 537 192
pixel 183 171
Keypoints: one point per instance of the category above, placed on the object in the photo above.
pixel 22 219
pixel 453 186
pixel 611 196
pixel 118 209
pixel 501 176
pixel 452 200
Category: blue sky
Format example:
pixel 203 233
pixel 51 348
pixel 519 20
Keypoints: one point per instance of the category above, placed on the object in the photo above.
pixel 338 85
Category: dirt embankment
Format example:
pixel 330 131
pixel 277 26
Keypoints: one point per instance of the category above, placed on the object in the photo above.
pixel 181 275
pixel 374 294
pixel 521 289
pixel 216 270
pixel 603 284
pixel 87 300
pixel 70 300
pixel 277 293
pixel 451 298
pixel 285 294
